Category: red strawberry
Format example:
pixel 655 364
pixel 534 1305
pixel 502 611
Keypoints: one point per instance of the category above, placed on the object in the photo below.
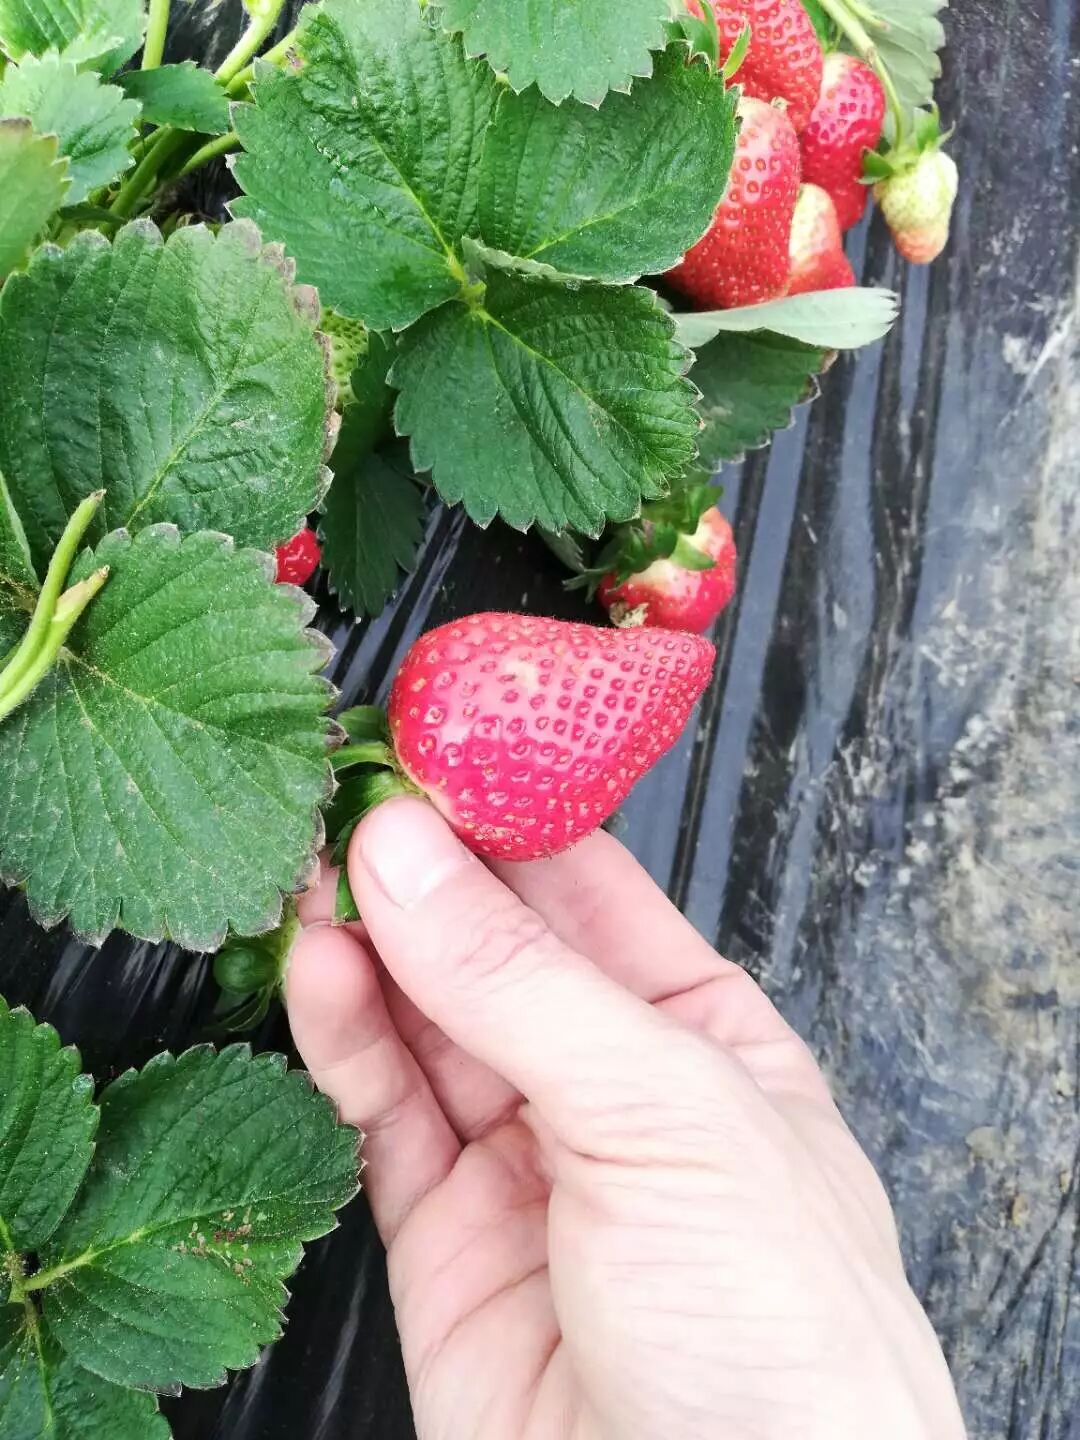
pixel 818 261
pixel 846 122
pixel 784 59
pixel 668 595
pixel 298 558
pixel 743 257
pixel 528 733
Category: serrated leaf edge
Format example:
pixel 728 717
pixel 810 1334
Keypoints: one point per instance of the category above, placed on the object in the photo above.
pixel 322 651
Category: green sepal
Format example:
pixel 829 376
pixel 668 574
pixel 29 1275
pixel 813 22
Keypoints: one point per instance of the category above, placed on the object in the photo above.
pixel 363 723
pixel 891 160
pixel 358 796
pixel 702 34
pixel 737 54
pixel 346 911
pixel 661 533
pixel 243 966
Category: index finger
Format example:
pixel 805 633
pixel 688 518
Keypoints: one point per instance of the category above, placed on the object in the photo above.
pixel 601 902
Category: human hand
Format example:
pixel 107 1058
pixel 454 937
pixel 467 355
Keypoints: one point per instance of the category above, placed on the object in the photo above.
pixel 617 1199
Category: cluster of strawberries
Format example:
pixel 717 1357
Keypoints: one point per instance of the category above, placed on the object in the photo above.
pixel 797 182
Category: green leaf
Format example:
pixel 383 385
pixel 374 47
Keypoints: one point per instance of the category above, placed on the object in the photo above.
pixel 101 33
pixel 367 414
pixel 34 180
pixel 47 1125
pixel 564 46
pixel 165 776
pixel 830 319
pixel 16 566
pixel 365 160
pixel 372 529
pixel 545 404
pixel 94 123
pixel 176 1275
pixel 184 378
pixel 907 41
pixel 44 1395
pixel 183 95
pixel 613 193
pixel 749 385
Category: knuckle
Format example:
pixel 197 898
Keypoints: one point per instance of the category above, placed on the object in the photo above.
pixel 505 940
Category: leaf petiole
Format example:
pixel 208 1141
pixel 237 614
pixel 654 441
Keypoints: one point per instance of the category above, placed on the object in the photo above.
pixel 274 56
pixel 264 16
pixel 219 145
pixel 38 632
pixel 370 752
pixel 156 27
pixel 68 610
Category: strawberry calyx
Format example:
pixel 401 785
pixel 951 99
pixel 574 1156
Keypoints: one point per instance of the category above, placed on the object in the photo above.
pixel 902 157
pixel 661 532
pixel 367 772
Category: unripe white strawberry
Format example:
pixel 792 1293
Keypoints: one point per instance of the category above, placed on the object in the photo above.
pixel 917 204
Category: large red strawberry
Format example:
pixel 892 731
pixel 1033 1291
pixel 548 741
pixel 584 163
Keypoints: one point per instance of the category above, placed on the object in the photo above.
pixel 818 261
pixel 783 60
pixel 743 257
pixel 528 733
pixel 671 595
pixel 846 122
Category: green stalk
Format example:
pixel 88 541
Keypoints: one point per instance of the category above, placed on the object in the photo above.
pixel 843 14
pixel 156 28
pixel 368 752
pixel 68 610
pixel 220 145
pixel 274 56
pixel 146 172
pixel 37 632
pixel 264 16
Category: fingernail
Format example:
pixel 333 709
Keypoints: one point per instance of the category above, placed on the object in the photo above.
pixel 409 850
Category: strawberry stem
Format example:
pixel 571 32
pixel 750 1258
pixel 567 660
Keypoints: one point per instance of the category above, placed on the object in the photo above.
pixel 264 16
pixel 68 610
pixel 156 27
pixel 55 612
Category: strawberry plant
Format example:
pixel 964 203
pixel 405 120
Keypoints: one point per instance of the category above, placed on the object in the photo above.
pixel 456 233
pixel 146 1235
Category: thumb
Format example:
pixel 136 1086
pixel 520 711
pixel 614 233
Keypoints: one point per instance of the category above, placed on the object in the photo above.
pixel 489 972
